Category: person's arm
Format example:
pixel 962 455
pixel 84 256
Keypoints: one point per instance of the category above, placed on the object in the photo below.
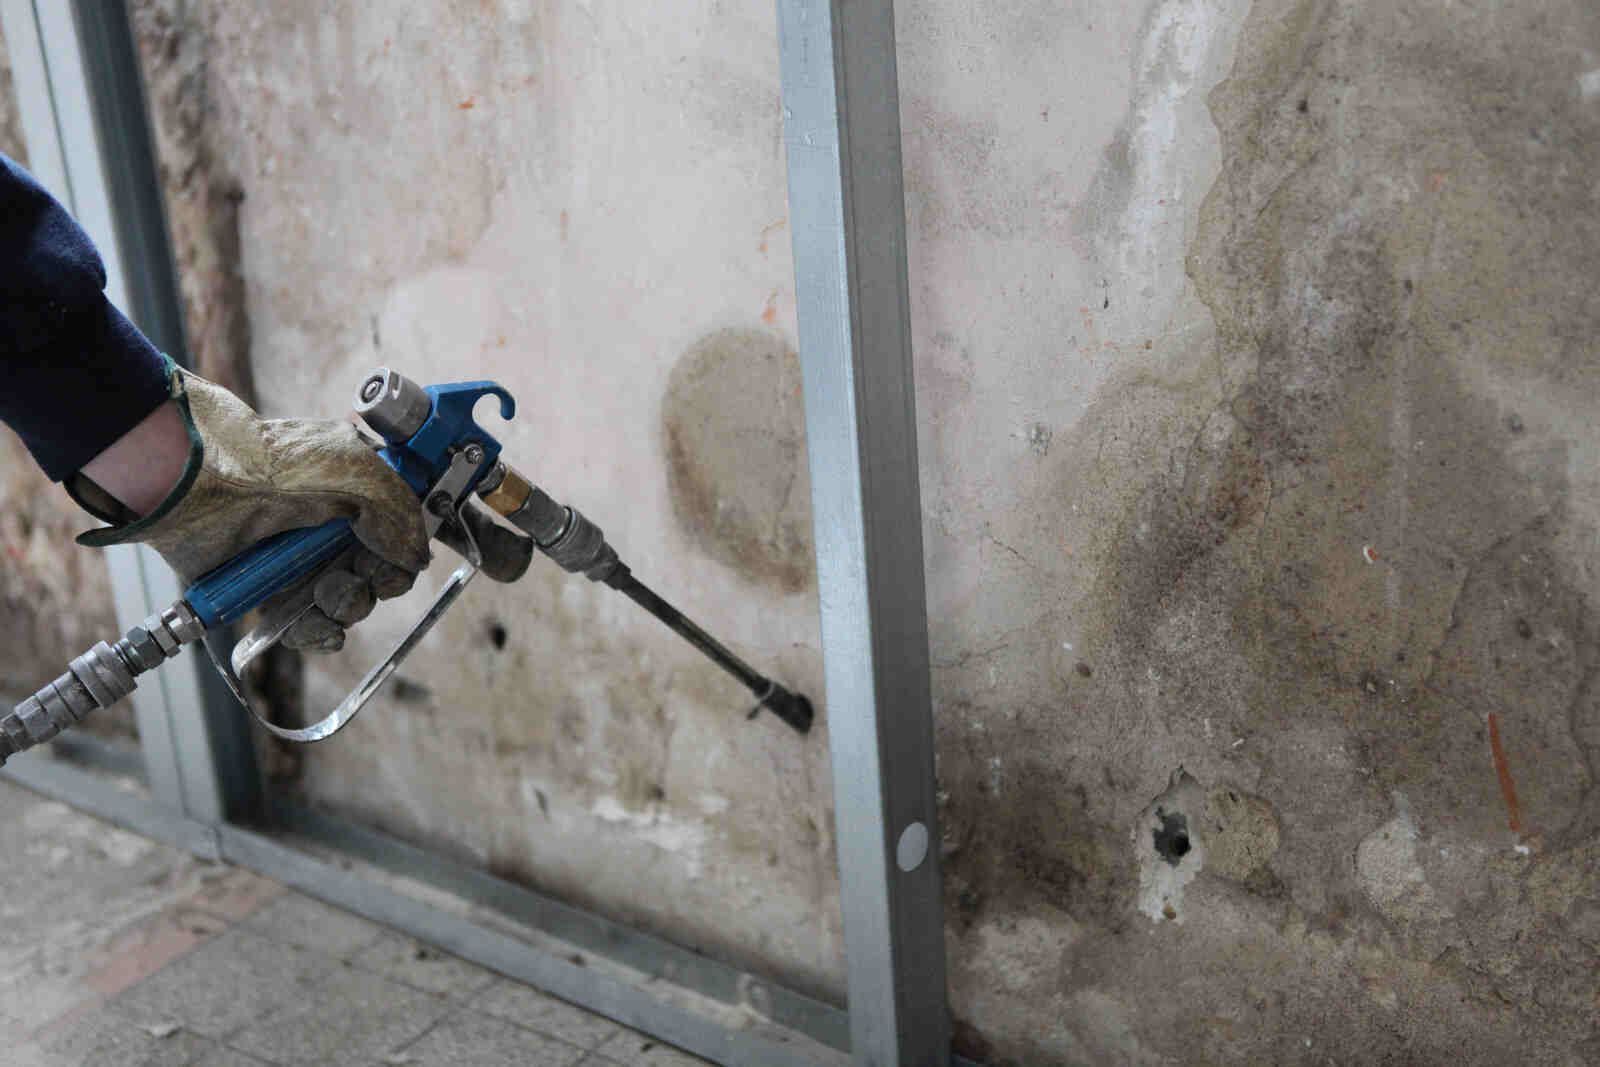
pixel 140 468
pixel 78 375
pixel 165 457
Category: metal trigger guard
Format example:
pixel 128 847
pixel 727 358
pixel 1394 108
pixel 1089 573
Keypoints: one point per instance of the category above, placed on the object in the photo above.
pixel 248 650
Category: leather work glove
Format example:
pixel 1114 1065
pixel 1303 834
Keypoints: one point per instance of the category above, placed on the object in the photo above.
pixel 344 594
pixel 248 478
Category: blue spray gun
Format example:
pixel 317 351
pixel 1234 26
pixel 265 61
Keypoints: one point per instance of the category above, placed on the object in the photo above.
pixel 433 442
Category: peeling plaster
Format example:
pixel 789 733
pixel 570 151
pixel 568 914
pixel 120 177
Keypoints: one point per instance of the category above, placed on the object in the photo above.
pixel 687 838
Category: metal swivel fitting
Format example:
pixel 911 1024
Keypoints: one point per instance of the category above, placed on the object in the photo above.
pixel 97 679
pixel 582 548
pixel 566 535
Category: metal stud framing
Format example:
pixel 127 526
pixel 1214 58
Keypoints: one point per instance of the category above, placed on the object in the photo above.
pixel 81 101
pixel 847 214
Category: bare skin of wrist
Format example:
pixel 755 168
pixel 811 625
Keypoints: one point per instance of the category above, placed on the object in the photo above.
pixel 143 465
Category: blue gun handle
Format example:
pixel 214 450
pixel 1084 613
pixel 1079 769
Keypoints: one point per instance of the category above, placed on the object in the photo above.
pixel 268 567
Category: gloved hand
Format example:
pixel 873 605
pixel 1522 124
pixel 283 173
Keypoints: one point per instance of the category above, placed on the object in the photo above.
pixel 344 593
pixel 248 478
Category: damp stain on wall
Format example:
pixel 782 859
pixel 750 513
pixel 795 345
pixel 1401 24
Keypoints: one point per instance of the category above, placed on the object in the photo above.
pixel 733 421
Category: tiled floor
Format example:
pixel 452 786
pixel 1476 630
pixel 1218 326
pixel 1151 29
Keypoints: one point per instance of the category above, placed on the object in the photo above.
pixel 116 951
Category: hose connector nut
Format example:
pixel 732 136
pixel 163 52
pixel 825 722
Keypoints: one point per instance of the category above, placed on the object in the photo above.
pixel 142 644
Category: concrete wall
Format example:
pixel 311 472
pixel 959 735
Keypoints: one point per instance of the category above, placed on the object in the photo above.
pixel 1256 370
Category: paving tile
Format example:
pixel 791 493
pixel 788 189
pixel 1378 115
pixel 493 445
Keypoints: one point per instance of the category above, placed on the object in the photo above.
pixel 234 893
pixel 86 1045
pixel 295 919
pixel 633 1049
pixel 418 965
pixel 106 1038
pixel 149 946
pixel 481 1041
pixel 230 982
pixel 525 1006
pixel 222 1056
pixel 70 886
pixel 36 992
pixel 348 1015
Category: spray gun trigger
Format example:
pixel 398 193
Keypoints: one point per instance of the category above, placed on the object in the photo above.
pixel 452 492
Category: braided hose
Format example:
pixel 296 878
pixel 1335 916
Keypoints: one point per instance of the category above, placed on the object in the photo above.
pixel 97 679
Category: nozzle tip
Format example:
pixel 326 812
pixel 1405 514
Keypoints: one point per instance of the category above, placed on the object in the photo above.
pixel 792 708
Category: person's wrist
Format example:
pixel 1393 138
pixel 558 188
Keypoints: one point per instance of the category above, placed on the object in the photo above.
pixel 142 466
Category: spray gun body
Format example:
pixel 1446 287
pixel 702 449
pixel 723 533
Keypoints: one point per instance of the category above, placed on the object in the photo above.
pixel 433 442
pixel 443 457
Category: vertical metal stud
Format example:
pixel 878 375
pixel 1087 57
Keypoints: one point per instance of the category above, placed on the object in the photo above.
pixel 847 214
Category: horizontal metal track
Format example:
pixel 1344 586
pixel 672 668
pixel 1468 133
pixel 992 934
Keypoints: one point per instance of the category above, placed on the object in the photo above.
pixel 582 985
pixel 650 955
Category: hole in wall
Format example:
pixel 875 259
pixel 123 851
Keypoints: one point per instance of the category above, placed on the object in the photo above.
pixel 498 636
pixel 1171 838
pixel 408 691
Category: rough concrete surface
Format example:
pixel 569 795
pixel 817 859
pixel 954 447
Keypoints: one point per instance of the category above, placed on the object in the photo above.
pixel 1328 547
pixel 1255 373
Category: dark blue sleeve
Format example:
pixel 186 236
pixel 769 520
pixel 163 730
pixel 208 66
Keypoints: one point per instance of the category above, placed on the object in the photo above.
pixel 77 375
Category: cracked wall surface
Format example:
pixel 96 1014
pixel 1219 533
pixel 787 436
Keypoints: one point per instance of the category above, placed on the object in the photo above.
pixel 1255 371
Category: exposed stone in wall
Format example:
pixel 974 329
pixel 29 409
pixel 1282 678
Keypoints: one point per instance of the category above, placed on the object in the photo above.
pixel 11 139
pixel 202 196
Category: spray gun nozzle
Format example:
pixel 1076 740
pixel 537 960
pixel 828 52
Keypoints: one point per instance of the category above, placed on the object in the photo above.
pixel 792 708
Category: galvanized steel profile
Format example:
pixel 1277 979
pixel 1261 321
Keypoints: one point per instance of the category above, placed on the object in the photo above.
pixel 847 213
